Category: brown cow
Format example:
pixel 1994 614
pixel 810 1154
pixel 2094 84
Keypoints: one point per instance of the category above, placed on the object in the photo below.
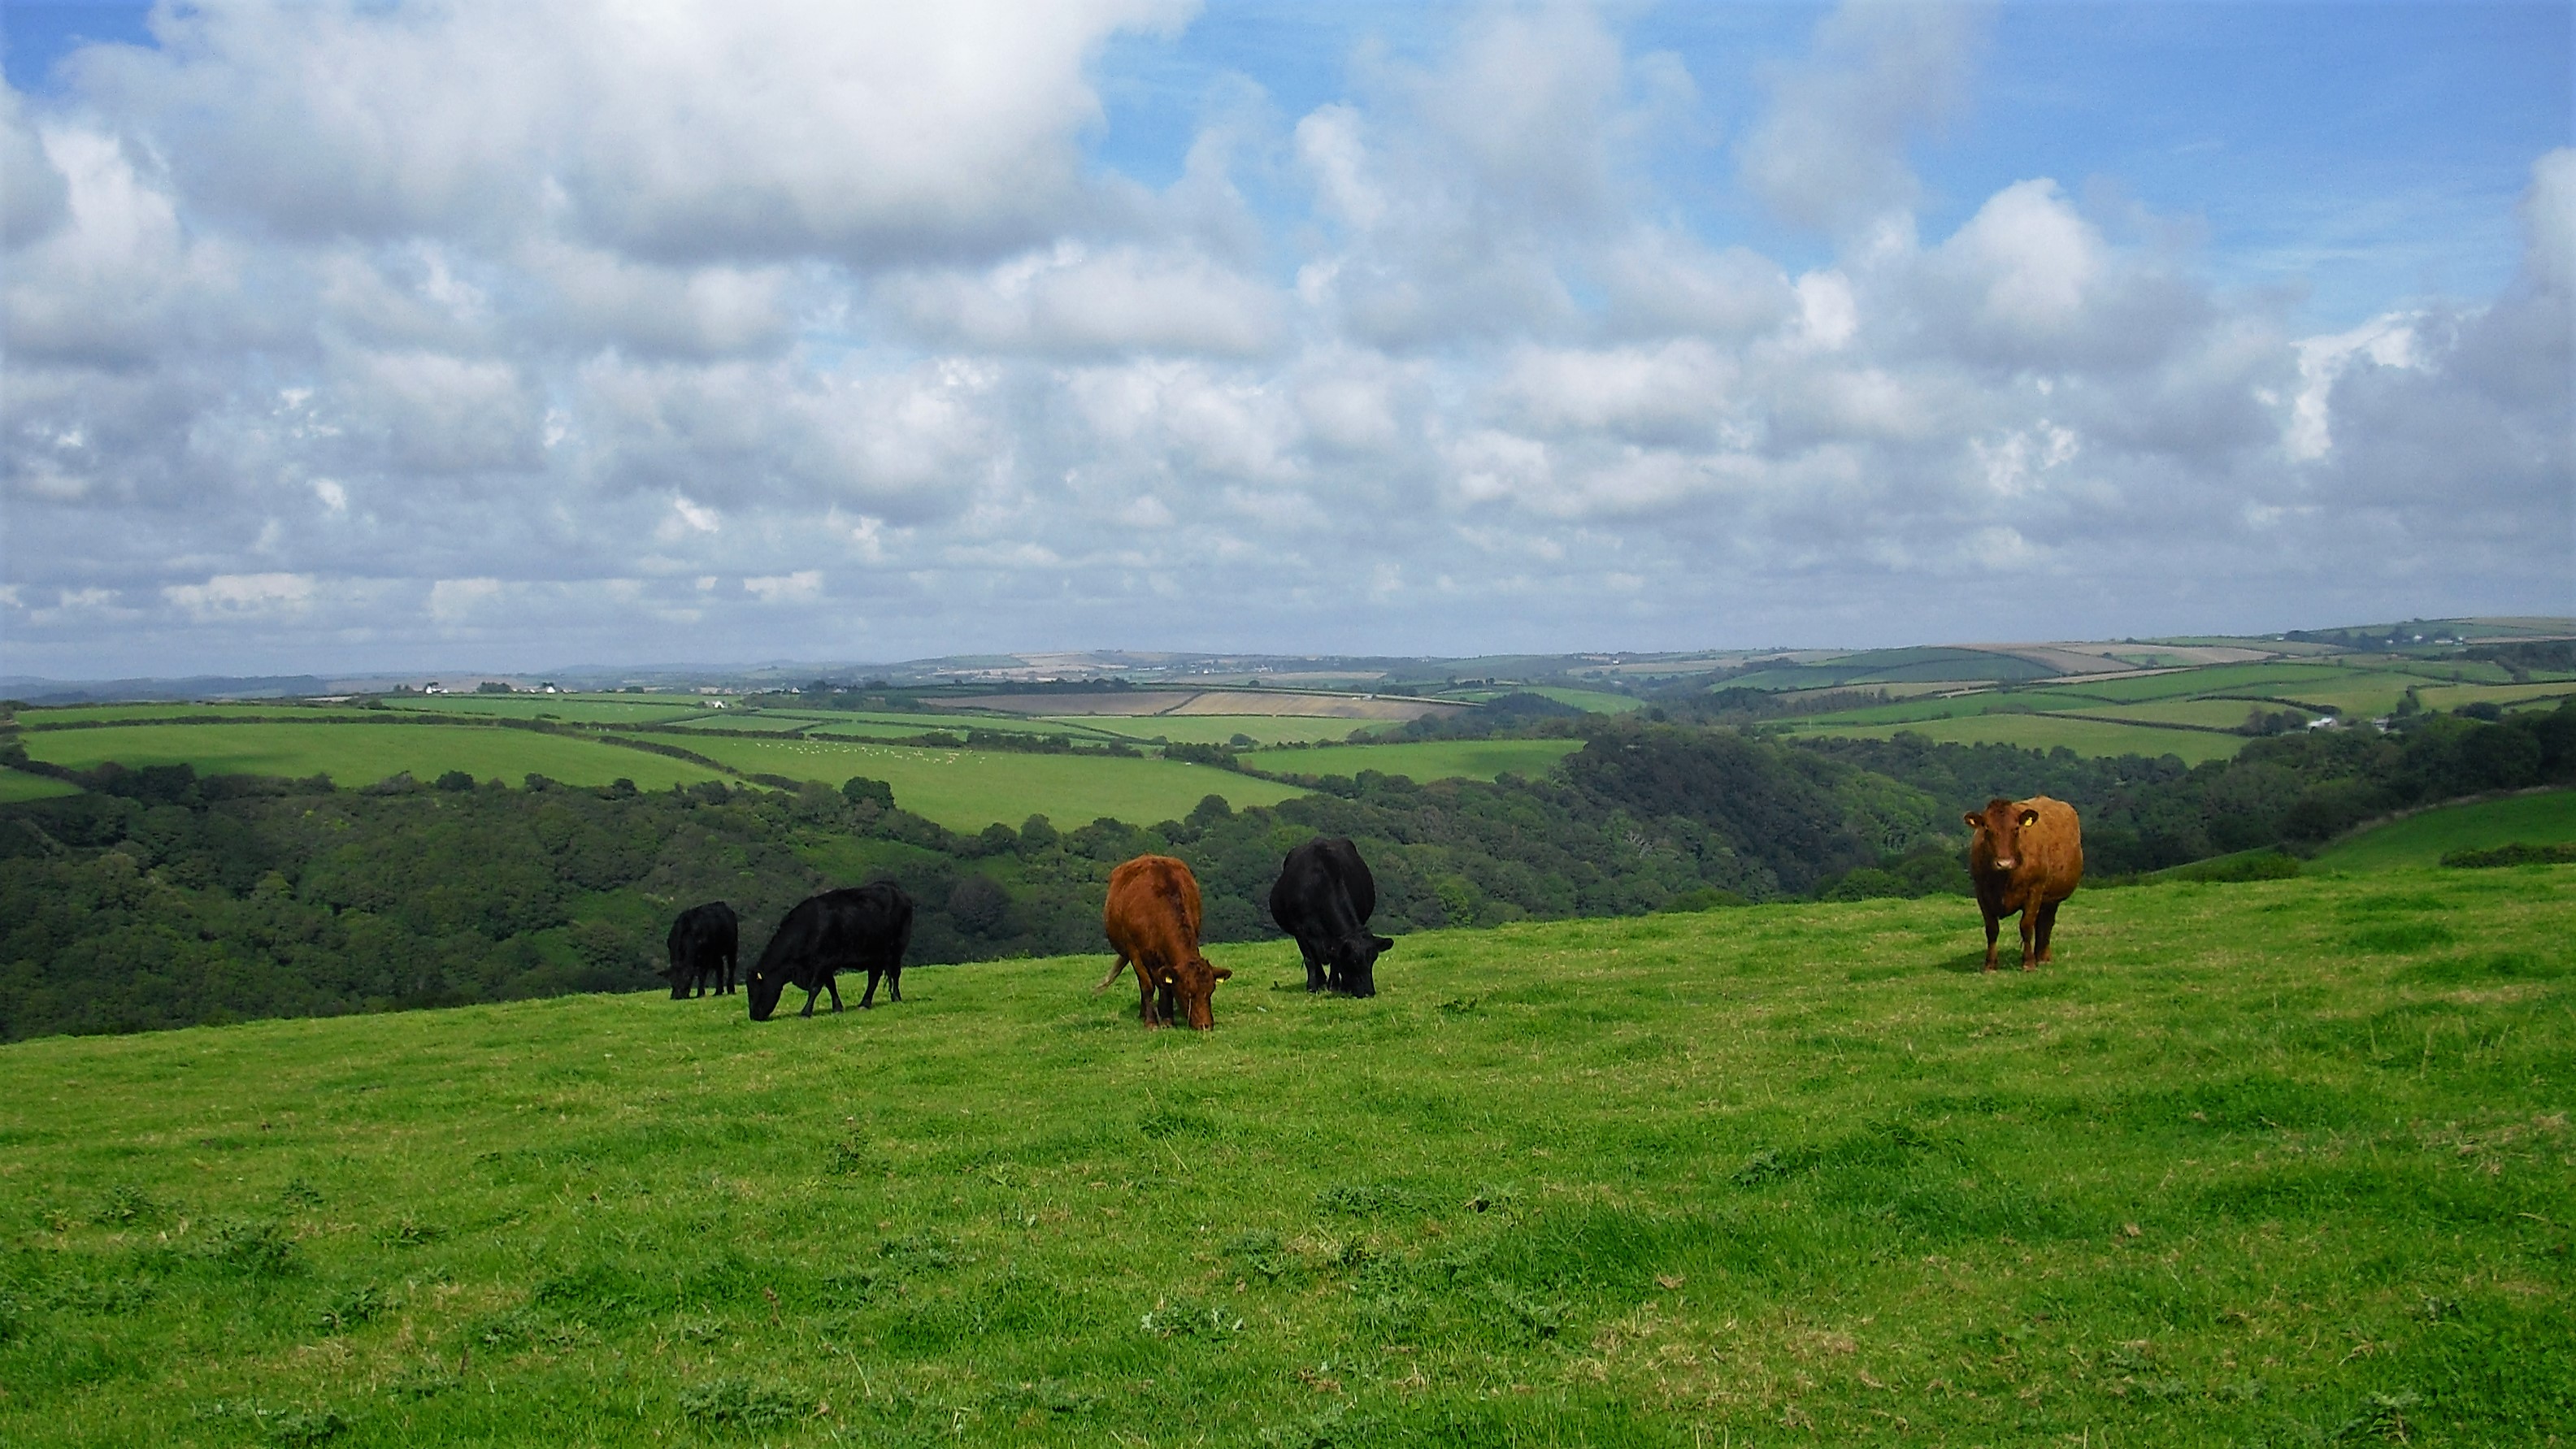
pixel 2027 857
pixel 1153 920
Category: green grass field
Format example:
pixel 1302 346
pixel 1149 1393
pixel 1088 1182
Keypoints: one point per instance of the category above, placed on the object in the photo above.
pixel 970 789
pixel 1218 729
pixel 2278 1163
pixel 2217 714
pixel 1425 760
pixel 587 708
pixel 1594 701
pixel 361 754
pixel 2044 732
pixel 16 785
pixel 2548 818
pixel 145 713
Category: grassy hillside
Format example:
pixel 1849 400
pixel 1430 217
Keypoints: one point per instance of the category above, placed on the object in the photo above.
pixel 970 789
pixel 2421 840
pixel 16 786
pixel 2282 1163
pixel 1426 759
pixel 361 754
pixel 2048 732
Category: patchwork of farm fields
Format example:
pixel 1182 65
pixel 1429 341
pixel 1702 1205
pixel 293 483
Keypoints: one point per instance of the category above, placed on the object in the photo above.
pixel 2158 714
pixel 2284 1162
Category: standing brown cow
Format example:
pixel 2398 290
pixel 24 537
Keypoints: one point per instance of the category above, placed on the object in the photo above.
pixel 2027 857
pixel 1153 921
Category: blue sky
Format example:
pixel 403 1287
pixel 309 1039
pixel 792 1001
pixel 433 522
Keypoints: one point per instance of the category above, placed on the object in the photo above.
pixel 491 336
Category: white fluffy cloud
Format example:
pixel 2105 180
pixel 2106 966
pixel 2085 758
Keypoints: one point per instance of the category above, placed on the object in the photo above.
pixel 596 332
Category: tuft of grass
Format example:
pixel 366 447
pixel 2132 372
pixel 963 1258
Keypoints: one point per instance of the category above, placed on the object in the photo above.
pixel 2279 1161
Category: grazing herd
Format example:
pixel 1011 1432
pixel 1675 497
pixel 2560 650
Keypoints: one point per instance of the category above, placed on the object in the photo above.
pixel 2025 857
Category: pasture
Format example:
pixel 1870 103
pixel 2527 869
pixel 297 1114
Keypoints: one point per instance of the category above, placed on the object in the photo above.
pixel 1218 729
pixel 2045 732
pixel 2283 1162
pixel 2545 818
pixel 970 789
pixel 16 785
pixel 361 754
pixel 1425 759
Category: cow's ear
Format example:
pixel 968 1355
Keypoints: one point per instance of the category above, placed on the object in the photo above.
pixel 2030 817
pixel 1170 980
pixel 1975 820
pixel 1224 973
pixel 1383 944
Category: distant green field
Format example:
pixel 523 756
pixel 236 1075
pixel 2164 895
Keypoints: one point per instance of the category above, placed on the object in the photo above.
pixel 2281 678
pixel 874 724
pixel 16 785
pixel 2219 714
pixel 1905 711
pixel 1218 729
pixel 1425 760
pixel 361 754
pixel 144 713
pixel 591 708
pixel 2046 732
pixel 1593 700
pixel 970 789
pixel 764 721
pixel 2284 1163
pixel 2421 840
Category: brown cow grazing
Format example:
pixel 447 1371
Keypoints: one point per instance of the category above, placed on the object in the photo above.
pixel 2027 857
pixel 1153 921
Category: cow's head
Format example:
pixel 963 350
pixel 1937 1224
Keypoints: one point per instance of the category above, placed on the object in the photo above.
pixel 1193 984
pixel 1998 832
pixel 682 978
pixel 761 987
pixel 1355 962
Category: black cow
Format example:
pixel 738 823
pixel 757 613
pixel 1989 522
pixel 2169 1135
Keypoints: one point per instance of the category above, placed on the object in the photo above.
pixel 1323 898
pixel 703 943
pixel 861 928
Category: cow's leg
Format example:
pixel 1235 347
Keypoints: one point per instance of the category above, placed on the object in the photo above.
pixel 1166 1003
pixel 894 982
pixel 724 978
pixel 1315 978
pixel 2029 928
pixel 832 983
pixel 1993 920
pixel 2047 929
pixel 1145 989
pixel 810 993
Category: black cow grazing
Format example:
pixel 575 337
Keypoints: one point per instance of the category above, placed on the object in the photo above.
pixel 1323 898
pixel 861 928
pixel 703 943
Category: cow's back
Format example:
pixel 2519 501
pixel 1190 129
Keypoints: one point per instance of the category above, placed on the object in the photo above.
pixel 1153 908
pixel 1323 886
pixel 2052 850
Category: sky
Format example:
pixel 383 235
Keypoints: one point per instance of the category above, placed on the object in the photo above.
pixel 388 336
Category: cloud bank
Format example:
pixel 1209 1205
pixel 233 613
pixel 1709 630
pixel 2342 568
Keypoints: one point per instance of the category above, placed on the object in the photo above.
pixel 359 335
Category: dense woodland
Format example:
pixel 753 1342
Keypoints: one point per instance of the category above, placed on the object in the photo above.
pixel 160 899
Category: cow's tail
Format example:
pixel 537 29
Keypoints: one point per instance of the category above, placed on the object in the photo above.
pixel 1115 971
